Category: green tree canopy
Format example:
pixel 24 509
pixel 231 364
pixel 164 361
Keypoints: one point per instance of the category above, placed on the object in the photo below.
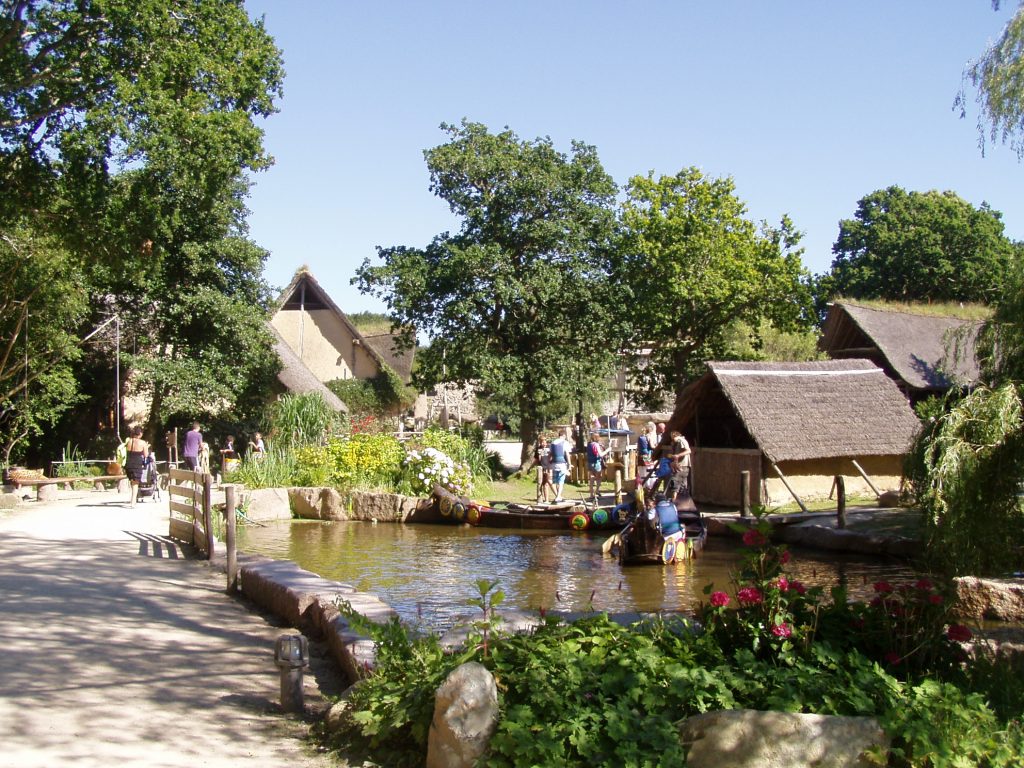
pixel 520 300
pixel 696 265
pixel 998 76
pixel 920 246
pixel 127 130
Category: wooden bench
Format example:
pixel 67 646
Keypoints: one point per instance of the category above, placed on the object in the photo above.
pixel 46 487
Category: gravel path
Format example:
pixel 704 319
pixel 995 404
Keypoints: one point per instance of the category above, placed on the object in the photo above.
pixel 120 650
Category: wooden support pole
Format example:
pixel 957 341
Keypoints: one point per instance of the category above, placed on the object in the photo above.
pixel 866 478
pixel 745 493
pixel 789 488
pixel 840 482
pixel 229 538
pixel 540 482
pixel 618 486
pixel 208 515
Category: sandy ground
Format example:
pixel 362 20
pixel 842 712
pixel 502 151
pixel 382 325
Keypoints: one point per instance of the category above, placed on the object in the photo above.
pixel 117 648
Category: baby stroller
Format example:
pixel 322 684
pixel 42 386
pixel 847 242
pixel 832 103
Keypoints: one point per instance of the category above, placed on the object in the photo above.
pixel 149 486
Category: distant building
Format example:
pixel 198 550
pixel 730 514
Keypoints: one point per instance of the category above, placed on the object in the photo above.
pixel 324 339
pixel 924 354
pixel 799 424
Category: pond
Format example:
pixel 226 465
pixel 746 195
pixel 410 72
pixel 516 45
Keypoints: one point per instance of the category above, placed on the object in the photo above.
pixel 428 572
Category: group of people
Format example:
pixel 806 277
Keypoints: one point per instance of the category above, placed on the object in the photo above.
pixel 662 462
pixel 139 459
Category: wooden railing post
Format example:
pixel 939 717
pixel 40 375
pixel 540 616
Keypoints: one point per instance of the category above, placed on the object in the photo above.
pixel 840 501
pixel 745 493
pixel 229 538
pixel 208 514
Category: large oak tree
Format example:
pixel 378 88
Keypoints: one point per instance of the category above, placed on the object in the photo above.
pixel 520 301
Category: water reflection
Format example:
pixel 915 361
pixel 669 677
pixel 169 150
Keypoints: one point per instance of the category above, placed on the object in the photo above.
pixel 429 572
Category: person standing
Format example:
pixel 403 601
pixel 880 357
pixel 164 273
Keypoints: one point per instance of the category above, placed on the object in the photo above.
pixel 559 451
pixel 256 446
pixel 137 453
pixel 680 456
pixel 193 444
pixel 645 452
pixel 544 462
pixel 595 465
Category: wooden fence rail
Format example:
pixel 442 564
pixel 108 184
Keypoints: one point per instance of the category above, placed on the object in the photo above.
pixel 189 496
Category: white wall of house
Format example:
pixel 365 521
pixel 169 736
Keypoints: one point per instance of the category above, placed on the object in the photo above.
pixel 325 344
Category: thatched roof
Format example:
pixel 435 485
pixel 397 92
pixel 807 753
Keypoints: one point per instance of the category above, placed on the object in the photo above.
pixel 315 297
pixel 399 362
pixel 925 352
pixel 824 409
pixel 296 376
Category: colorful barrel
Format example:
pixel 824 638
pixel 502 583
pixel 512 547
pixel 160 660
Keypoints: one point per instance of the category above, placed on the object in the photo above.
pixel 445 505
pixel 474 514
pixel 599 517
pixel 579 521
pixel 459 511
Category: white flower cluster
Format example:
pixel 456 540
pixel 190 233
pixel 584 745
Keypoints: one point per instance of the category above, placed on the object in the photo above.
pixel 429 467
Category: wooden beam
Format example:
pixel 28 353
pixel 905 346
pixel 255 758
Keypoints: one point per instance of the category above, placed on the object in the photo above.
pixel 785 482
pixel 866 478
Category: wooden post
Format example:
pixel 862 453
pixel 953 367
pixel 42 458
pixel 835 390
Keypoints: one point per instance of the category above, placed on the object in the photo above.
pixel 208 515
pixel 229 538
pixel 618 486
pixel 745 493
pixel 540 481
pixel 840 501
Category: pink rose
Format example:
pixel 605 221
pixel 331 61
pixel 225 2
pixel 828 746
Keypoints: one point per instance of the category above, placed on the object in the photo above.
pixel 935 599
pixel 750 596
pixel 782 630
pixel 883 587
pixel 925 585
pixel 783 583
pixel 719 599
pixel 798 587
pixel 784 557
pixel 754 538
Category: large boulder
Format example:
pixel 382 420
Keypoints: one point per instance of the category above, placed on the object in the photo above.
pixel 998 599
pixel 268 504
pixel 745 738
pixel 465 717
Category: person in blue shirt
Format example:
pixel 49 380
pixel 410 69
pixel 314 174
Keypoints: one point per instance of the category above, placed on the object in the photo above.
pixel 668 517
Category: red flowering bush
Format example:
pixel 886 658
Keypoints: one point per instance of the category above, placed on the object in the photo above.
pixel 905 627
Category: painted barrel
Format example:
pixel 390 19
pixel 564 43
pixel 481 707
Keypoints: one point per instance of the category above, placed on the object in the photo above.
pixel 579 521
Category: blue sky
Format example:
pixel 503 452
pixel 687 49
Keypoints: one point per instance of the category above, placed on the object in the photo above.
pixel 808 106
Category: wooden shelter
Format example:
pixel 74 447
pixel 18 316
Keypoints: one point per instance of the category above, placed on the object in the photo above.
pixel 794 427
pixel 923 354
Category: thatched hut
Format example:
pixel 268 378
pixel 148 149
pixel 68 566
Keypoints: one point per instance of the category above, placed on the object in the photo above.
pixel 923 354
pixel 295 376
pixel 794 424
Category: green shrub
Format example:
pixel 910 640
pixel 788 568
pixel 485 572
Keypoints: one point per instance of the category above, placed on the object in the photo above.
pixel 300 420
pixel 313 466
pixel 273 469
pixel 366 461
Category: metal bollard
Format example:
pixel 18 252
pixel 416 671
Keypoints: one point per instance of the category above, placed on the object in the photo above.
pixel 291 654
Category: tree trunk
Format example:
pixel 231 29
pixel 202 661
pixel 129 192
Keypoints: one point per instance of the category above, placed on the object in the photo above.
pixel 528 434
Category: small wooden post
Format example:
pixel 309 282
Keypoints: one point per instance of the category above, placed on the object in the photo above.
pixel 229 536
pixel 840 501
pixel 745 493
pixel 618 486
pixel 540 482
pixel 208 515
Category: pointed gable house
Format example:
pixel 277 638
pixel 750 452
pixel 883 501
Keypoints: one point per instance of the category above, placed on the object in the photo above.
pixel 924 354
pixel 794 427
pixel 324 339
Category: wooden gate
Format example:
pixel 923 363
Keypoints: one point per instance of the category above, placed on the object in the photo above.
pixel 191 509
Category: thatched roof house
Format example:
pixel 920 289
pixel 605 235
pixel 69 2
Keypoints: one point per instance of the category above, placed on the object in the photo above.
pixel 924 354
pixel 798 422
pixel 323 337
pixel 296 377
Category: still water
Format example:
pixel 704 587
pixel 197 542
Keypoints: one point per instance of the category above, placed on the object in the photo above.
pixel 428 572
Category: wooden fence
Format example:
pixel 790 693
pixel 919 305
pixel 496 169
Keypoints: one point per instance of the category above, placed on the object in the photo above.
pixel 189 495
